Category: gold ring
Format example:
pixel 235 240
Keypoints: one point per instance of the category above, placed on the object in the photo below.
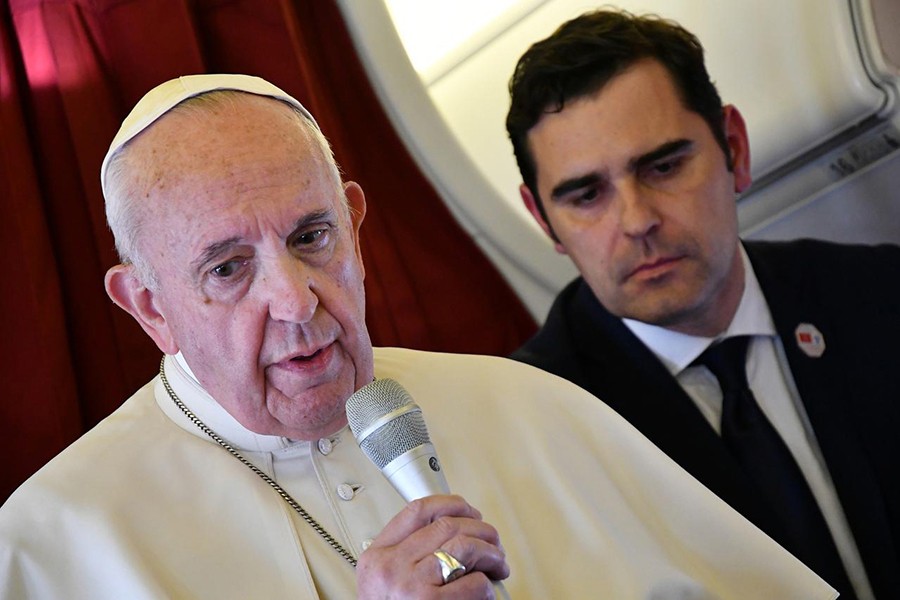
pixel 450 567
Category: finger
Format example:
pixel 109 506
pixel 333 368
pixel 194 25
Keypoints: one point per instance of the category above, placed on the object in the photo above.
pixel 478 555
pixel 439 533
pixel 473 554
pixel 475 585
pixel 382 575
pixel 422 512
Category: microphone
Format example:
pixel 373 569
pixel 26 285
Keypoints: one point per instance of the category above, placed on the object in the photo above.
pixel 390 430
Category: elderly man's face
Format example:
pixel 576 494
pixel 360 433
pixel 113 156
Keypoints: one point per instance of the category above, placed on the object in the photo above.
pixel 258 262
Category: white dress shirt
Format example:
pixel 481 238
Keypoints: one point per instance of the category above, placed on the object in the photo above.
pixel 776 393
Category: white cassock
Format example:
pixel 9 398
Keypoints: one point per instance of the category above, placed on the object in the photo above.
pixel 145 505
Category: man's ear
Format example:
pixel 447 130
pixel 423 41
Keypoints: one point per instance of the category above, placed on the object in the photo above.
pixel 356 202
pixel 127 290
pixel 739 146
pixel 531 203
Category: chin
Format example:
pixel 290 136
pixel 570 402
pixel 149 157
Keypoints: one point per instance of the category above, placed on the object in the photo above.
pixel 668 314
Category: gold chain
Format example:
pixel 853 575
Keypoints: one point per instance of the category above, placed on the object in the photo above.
pixel 345 554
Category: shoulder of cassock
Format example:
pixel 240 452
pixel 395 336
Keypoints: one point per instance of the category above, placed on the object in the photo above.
pixel 583 502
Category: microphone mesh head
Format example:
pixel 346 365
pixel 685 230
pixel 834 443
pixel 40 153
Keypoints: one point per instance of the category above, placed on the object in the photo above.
pixel 395 437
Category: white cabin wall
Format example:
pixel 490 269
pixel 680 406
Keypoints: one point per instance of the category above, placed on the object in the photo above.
pixel 814 81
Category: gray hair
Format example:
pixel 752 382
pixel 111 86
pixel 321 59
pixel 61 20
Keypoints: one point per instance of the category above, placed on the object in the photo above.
pixel 123 212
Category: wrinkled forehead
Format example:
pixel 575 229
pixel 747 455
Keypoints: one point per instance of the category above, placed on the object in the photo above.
pixel 227 169
pixel 220 149
pixel 162 99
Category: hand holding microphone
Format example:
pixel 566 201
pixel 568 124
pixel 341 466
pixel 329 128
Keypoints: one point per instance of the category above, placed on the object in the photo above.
pixel 437 541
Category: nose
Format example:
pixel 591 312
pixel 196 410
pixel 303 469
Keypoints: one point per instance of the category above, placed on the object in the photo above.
pixel 637 210
pixel 289 290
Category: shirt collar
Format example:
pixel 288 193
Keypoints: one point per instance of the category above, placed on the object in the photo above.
pixel 678 350
pixel 205 408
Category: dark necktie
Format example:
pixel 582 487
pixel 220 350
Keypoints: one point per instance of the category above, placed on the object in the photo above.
pixel 758 447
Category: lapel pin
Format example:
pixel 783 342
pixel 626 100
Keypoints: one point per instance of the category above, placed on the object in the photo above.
pixel 810 340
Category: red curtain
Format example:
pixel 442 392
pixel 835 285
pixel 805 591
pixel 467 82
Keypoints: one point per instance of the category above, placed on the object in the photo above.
pixel 69 72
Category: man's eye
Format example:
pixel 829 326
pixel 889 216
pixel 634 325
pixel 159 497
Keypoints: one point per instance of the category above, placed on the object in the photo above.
pixel 666 167
pixel 226 269
pixel 309 238
pixel 586 196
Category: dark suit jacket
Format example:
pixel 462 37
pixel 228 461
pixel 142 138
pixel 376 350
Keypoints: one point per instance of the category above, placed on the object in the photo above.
pixel 851 393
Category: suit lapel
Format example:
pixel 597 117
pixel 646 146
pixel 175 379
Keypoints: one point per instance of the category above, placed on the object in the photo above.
pixel 795 298
pixel 620 370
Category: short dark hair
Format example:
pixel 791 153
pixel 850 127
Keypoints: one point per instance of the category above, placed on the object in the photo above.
pixel 584 54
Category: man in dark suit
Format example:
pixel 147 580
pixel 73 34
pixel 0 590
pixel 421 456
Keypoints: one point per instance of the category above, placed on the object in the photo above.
pixel 631 164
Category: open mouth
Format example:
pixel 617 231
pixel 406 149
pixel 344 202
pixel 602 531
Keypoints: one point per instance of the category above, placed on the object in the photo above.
pixel 307 358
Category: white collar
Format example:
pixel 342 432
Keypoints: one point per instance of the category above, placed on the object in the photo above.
pixel 678 350
pixel 199 402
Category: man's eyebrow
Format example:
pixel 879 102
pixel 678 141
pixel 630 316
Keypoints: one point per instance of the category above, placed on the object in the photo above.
pixel 662 151
pixel 213 250
pixel 317 216
pixel 577 183
pixel 216 248
pixel 325 215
